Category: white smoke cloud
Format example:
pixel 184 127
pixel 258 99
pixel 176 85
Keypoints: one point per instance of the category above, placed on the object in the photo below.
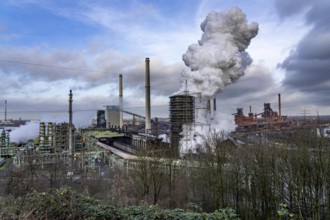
pixel 25 132
pixel 219 58
pixel 195 134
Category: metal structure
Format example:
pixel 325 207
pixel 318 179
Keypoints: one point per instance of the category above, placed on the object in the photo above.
pixel 268 119
pixel 56 139
pixel 182 112
pixel 100 119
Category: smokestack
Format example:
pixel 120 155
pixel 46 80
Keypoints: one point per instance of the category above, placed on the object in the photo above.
pixel 279 106
pixel 70 123
pixel 121 100
pixel 215 104
pixel 5 110
pixel 148 117
pixel 209 106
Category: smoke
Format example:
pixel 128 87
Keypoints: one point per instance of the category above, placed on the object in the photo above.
pixel 195 135
pixel 219 58
pixel 25 132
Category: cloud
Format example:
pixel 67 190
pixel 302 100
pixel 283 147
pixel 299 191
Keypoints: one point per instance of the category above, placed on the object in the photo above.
pixel 308 65
pixel 253 89
pixel 289 8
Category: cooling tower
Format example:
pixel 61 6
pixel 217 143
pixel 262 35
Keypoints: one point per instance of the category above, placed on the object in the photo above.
pixel 182 111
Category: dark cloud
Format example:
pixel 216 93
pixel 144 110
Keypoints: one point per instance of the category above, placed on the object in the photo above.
pixel 253 89
pixel 164 79
pixel 308 65
pixel 287 8
pixel 30 64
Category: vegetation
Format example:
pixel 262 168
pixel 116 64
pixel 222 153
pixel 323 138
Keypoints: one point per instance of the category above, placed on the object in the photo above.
pixel 266 175
pixel 272 176
pixel 65 203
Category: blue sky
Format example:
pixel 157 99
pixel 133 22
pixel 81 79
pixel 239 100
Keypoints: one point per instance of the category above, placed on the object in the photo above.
pixel 84 45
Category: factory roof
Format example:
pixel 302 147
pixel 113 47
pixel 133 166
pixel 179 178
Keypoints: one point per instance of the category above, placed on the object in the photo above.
pixel 102 134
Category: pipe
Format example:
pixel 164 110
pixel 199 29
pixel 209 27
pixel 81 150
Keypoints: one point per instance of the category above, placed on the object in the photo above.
pixel 148 111
pixel 121 100
pixel 279 106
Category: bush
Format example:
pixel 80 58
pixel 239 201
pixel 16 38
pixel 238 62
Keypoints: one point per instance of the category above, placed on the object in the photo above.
pixel 65 203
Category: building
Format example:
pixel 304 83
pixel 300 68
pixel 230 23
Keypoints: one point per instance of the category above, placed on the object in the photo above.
pixel 182 112
pixel 112 116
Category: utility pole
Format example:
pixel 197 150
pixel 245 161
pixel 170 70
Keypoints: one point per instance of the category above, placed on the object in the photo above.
pixel 305 112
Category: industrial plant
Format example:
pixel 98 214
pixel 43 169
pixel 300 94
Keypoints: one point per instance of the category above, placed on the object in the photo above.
pixel 190 116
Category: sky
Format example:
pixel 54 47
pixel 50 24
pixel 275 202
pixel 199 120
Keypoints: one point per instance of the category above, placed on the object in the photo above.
pixel 48 47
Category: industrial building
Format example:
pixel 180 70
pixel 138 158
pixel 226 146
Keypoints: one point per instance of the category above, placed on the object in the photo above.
pixel 182 112
pixel 113 116
pixel 53 138
pixel 268 119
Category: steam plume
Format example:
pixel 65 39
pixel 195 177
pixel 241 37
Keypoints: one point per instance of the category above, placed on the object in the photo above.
pixel 219 58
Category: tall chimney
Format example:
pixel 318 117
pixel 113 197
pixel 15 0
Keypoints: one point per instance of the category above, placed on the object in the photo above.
pixel 208 106
pixel 279 106
pixel 215 104
pixel 121 124
pixel 148 117
pixel 70 123
pixel 5 110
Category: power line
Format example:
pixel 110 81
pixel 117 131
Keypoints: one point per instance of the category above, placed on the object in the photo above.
pixel 62 111
pixel 61 67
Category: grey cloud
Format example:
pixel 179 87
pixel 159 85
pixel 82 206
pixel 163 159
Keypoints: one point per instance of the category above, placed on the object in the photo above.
pixel 164 78
pixel 253 89
pixel 308 66
pixel 257 79
pixel 47 64
pixel 287 8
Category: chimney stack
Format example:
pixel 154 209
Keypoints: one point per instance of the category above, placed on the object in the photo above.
pixel 148 117
pixel 70 123
pixel 279 106
pixel 121 124
pixel 5 110
pixel 215 104
pixel 208 106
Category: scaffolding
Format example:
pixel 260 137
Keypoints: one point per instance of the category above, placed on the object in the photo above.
pixel 182 112
pixel 53 138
